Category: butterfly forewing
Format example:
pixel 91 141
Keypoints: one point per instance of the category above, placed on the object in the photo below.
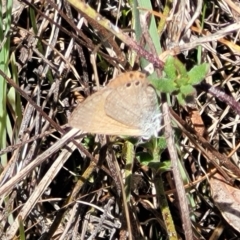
pixel 90 117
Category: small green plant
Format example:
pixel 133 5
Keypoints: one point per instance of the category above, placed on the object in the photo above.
pixel 150 157
pixel 178 80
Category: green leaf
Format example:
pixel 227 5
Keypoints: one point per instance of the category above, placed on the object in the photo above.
pixel 144 158
pixel 160 166
pixel 187 90
pixel 164 85
pixel 198 73
pixel 161 143
pixel 181 99
pixel 181 69
pixel 179 81
pixel 182 80
pixel 170 68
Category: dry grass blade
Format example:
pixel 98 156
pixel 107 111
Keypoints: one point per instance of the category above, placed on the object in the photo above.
pixel 41 158
pixel 178 181
pixel 42 186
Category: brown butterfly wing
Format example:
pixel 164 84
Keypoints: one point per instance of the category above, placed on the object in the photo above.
pixel 90 116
